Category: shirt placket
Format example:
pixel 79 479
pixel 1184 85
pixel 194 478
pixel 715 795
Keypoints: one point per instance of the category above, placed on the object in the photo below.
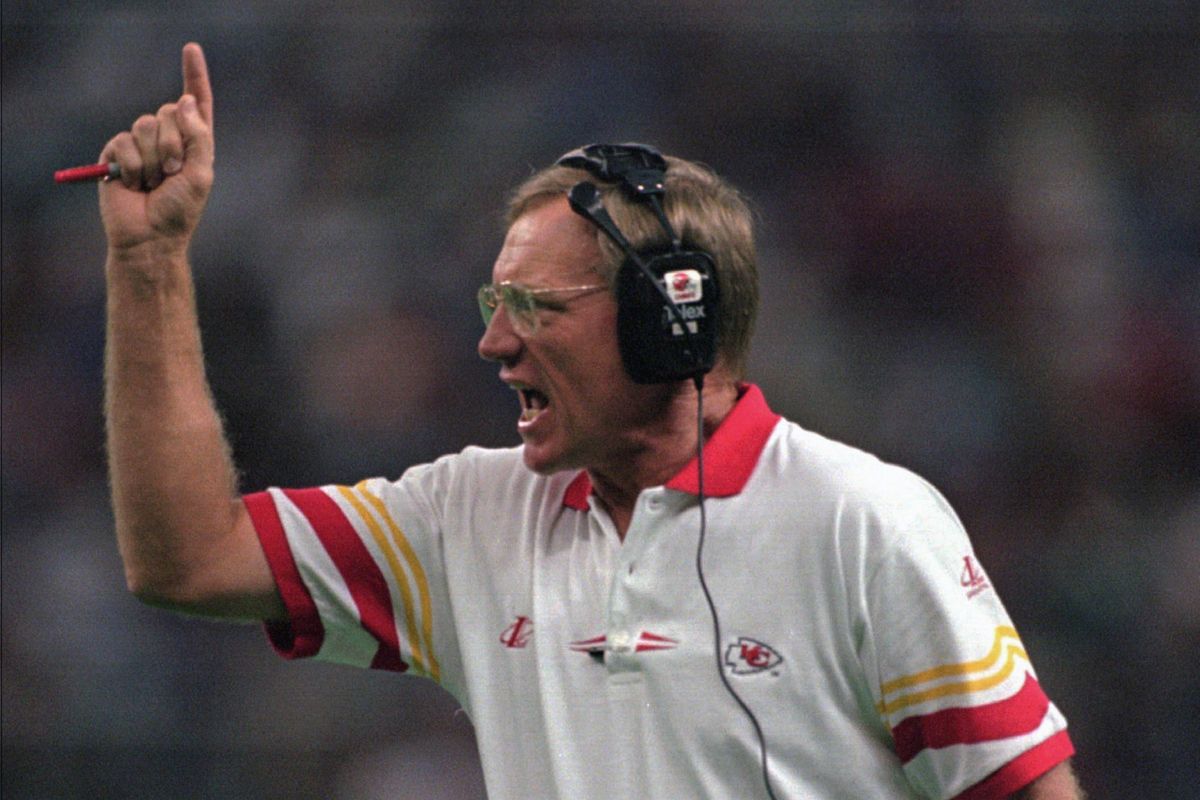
pixel 625 618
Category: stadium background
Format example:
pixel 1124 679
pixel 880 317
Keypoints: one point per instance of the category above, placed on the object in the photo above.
pixel 980 244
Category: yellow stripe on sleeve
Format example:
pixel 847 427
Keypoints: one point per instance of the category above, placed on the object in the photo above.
pixel 1006 645
pixel 414 564
pixel 397 572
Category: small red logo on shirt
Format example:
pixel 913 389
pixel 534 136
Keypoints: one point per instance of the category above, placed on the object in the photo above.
pixel 596 644
pixel 750 656
pixel 652 641
pixel 972 578
pixel 624 643
pixel 516 636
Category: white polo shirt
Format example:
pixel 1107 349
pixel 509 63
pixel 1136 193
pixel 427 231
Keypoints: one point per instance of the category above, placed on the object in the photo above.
pixel 856 622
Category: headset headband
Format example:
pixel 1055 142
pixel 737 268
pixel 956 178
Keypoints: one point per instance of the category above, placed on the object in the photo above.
pixel 639 168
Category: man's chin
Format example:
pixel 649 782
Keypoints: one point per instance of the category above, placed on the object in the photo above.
pixel 544 461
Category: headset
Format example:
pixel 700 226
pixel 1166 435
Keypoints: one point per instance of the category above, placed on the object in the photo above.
pixel 668 324
pixel 668 298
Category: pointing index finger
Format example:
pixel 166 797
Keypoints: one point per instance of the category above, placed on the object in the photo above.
pixel 195 80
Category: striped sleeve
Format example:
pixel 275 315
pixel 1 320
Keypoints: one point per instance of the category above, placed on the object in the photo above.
pixel 956 714
pixel 955 685
pixel 356 588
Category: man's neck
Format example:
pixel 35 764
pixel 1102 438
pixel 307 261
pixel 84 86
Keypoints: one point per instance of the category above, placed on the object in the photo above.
pixel 662 453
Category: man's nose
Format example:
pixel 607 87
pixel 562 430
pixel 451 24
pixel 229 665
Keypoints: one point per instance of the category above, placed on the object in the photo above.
pixel 499 341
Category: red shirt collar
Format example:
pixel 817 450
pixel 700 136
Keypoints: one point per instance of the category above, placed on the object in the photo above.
pixel 730 454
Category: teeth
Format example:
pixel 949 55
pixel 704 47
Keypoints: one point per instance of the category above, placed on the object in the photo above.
pixel 533 403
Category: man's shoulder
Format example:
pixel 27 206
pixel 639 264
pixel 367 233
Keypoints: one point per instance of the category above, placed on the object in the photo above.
pixel 812 456
pixel 828 470
pixel 849 488
pixel 483 472
pixel 469 464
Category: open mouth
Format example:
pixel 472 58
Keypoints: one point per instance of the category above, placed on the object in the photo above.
pixel 533 403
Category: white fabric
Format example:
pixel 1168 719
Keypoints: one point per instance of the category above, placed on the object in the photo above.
pixel 849 601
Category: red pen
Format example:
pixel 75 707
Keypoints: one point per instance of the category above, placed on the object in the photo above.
pixel 92 172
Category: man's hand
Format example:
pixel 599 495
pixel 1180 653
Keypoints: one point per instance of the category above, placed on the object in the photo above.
pixel 166 162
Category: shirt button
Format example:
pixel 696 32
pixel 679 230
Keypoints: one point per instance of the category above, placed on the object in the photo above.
pixel 654 504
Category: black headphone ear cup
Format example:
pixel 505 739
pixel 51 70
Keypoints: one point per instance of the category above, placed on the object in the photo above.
pixel 654 346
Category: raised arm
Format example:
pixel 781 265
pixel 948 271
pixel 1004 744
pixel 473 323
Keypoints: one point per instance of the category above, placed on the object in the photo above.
pixel 1057 784
pixel 184 535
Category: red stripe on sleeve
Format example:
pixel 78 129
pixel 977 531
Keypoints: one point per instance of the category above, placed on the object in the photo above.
pixel 301 634
pixel 1012 716
pixel 1022 770
pixel 358 569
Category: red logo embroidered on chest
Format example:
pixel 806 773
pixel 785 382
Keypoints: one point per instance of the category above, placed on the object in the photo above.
pixel 972 578
pixel 623 643
pixel 516 636
pixel 750 656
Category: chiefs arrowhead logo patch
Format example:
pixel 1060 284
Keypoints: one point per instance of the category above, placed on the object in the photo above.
pixel 749 656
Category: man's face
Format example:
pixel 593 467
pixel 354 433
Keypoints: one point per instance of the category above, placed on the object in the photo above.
pixel 578 406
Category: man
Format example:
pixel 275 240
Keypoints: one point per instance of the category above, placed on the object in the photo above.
pixel 792 619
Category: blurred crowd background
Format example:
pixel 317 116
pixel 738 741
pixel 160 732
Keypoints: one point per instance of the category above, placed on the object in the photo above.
pixel 980 258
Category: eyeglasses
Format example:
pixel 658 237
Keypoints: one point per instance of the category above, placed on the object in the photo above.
pixel 522 303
